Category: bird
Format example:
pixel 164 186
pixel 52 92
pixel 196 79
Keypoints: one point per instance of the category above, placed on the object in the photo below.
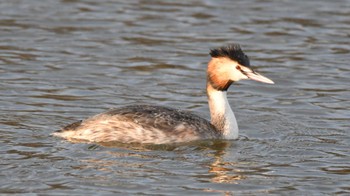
pixel 154 124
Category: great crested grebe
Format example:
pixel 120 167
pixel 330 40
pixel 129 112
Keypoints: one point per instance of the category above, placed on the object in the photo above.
pixel 161 125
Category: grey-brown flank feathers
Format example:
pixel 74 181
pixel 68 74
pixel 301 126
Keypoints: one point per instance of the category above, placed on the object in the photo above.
pixel 144 124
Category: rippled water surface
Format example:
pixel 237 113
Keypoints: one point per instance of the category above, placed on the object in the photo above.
pixel 61 61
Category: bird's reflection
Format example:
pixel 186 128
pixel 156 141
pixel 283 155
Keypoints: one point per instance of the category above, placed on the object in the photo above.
pixel 143 156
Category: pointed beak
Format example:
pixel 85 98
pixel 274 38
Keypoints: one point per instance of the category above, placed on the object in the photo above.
pixel 254 75
pixel 257 77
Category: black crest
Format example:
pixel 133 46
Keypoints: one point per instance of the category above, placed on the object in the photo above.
pixel 232 51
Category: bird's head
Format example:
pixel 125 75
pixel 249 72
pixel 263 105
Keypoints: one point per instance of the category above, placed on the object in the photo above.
pixel 229 64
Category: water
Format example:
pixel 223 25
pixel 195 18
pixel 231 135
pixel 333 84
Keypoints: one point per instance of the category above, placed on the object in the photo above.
pixel 61 61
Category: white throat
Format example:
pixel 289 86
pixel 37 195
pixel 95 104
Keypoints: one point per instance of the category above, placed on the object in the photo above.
pixel 222 116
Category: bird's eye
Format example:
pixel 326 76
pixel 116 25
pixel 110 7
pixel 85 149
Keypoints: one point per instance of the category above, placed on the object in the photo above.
pixel 240 69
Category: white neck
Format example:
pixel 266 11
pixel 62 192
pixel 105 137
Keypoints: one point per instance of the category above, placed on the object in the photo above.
pixel 222 116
